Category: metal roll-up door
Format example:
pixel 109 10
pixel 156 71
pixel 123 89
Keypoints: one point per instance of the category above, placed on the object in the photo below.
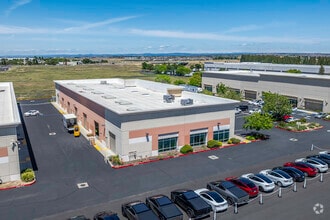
pixel 314 105
pixel 250 94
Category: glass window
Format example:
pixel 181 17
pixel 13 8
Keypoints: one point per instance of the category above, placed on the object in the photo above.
pixel 167 144
pixel 198 139
pixel 222 135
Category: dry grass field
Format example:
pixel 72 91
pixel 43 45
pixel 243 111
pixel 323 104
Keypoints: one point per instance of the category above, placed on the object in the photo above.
pixel 36 82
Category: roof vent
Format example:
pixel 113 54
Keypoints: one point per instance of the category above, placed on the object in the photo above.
pixel 187 102
pixel 97 92
pixel 108 97
pixel 103 82
pixel 168 98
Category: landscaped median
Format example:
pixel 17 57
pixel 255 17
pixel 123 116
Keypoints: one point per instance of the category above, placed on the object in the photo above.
pixel 185 150
pixel 27 179
pixel 299 126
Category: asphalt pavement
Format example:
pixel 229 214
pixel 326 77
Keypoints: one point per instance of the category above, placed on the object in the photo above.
pixel 64 161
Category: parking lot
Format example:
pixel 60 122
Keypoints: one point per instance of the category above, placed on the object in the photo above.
pixel 64 161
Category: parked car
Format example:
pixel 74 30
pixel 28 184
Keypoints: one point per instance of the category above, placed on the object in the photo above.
pixel 245 184
pixel 31 113
pixel 279 177
pixel 229 191
pixel 308 170
pixel 164 208
pixel 263 182
pixel 320 165
pixel 297 175
pixel 243 107
pixel 291 119
pixel 286 117
pixel 237 110
pixel 214 199
pixel 106 215
pixel 323 155
pixel 258 110
pixel 137 210
pixel 78 217
pixel 321 115
pixel 191 203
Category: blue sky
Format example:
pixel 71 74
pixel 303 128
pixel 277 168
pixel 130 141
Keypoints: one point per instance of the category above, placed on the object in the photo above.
pixel 147 26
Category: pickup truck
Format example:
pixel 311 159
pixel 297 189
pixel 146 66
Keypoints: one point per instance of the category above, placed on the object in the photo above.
pixel 164 208
pixel 191 203
pixel 229 191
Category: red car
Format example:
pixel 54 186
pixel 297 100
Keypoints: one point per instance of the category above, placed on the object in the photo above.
pixel 308 170
pixel 245 184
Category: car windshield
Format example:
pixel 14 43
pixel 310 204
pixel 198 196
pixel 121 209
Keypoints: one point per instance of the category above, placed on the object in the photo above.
pixel 139 208
pixel 163 201
pixel 247 182
pixel 228 184
pixel 264 178
pixel 282 173
pixel 319 161
pixel 215 196
pixel 190 195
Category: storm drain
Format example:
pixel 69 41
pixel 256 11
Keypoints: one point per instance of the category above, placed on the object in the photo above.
pixel 82 185
pixel 213 157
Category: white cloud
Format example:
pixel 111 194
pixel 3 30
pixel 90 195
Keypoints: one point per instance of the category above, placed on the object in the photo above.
pixel 98 24
pixel 16 5
pixel 222 37
pixel 251 27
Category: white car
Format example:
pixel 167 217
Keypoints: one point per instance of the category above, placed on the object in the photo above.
pixel 255 110
pixel 237 111
pixel 31 113
pixel 279 177
pixel 320 165
pixel 214 199
pixel 263 182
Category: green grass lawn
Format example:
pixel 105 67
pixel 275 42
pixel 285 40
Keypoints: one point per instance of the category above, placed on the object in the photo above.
pixel 37 82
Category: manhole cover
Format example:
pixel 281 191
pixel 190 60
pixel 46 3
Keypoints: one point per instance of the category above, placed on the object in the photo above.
pixel 213 157
pixel 293 139
pixel 82 185
pixel 52 133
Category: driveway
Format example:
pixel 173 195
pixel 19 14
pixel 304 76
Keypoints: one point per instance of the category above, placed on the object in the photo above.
pixel 64 161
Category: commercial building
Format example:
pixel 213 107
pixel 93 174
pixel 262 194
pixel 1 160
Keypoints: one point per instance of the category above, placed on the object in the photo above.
pixel 137 119
pixel 9 121
pixel 256 66
pixel 306 91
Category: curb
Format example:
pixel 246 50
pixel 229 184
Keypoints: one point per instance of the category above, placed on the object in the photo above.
pixel 314 129
pixel 20 185
pixel 181 155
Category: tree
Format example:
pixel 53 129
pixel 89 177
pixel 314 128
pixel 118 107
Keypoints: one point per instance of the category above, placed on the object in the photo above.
pixel 160 69
pixel 321 71
pixel 196 80
pixel 163 79
pixel 182 70
pixel 258 121
pixel 277 105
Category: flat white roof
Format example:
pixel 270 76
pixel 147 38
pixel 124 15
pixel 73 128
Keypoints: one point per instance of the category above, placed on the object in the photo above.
pixel 133 95
pixel 9 115
pixel 258 73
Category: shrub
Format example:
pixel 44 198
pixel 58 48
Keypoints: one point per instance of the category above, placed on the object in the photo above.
pixel 303 120
pixel 186 149
pixel 214 144
pixel 301 128
pixel 115 160
pixel 235 140
pixel 250 138
pixel 282 124
pixel 27 175
pixel 229 142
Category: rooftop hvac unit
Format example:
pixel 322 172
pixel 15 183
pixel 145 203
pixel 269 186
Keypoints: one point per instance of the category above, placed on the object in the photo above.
pixel 168 98
pixel 187 102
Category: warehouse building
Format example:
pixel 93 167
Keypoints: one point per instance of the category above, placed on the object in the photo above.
pixel 256 66
pixel 136 118
pixel 9 121
pixel 305 91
